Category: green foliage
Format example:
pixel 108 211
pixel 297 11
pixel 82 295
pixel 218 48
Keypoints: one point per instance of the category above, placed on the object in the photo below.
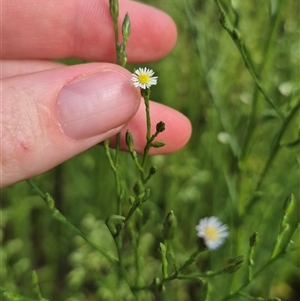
pixel 234 74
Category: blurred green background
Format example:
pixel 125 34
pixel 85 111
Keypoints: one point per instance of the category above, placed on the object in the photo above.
pixel 215 174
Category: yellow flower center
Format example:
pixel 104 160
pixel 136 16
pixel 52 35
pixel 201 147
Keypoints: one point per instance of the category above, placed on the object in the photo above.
pixel 212 233
pixel 144 78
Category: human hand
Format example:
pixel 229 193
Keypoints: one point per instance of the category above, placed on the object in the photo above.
pixel 51 112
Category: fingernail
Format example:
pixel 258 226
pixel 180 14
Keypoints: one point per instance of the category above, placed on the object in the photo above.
pixel 95 104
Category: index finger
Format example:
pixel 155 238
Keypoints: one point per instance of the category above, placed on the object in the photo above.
pixel 74 28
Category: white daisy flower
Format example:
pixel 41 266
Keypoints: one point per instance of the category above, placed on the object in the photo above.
pixel 143 78
pixel 212 231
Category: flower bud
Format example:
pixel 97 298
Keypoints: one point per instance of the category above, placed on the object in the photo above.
pixel 233 264
pixel 164 262
pixel 126 28
pixel 138 188
pixel 158 144
pixel 160 127
pixel 253 239
pixel 34 278
pixel 129 140
pixel 161 288
pixel 49 201
pixel 236 35
pixel 162 248
pixel 288 204
pixel 131 200
pixel 156 281
pixel 169 226
pixel 152 170
pixel 146 194
pixel 114 9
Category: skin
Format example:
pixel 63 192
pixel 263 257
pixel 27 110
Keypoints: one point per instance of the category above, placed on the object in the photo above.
pixel 33 137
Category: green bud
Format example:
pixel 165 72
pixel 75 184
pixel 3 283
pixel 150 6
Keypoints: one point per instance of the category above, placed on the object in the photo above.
pixel 114 9
pixel 236 35
pixel 115 223
pixel 209 273
pixel 164 262
pixel 119 226
pixel 253 239
pixel 152 170
pixel 222 19
pixel 286 227
pixel 160 127
pixel 138 188
pixel 34 278
pixel 288 204
pixel 129 140
pixel 158 144
pixel 49 201
pixel 126 28
pixel 156 281
pixel 162 248
pixel 124 61
pixel 122 49
pixel 146 194
pixel 233 264
pixel 134 154
pixel 169 226
pixel 131 200
pixel 162 288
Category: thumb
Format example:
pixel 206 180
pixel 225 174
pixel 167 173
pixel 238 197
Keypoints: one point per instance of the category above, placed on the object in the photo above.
pixel 52 115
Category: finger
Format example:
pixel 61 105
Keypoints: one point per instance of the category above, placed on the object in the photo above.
pixel 176 134
pixel 58 113
pixel 11 68
pixel 75 28
pixel 178 128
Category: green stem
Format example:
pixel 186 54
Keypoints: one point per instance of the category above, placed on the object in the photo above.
pixel 109 156
pixel 62 219
pixel 266 56
pixel 117 176
pixel 113 162
pixel 246 283
pixel 148 134
pixel 284 225
pixel 233 33
pixel 117 46
pixel 273 152
pixel 146 95
pixel 120 52
pixel 266 265
pixel 213 93
pixel 36 286
pixel 200 275
pixel 189 261
pixel 137 257
pixel 118 242
pixel 133 208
